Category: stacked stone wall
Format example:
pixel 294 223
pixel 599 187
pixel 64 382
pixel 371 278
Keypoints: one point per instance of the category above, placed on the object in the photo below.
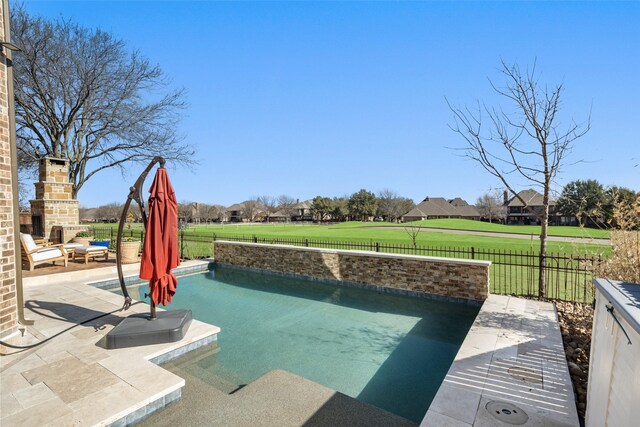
pixel 8 298
pixel 54 202
pixel 443 277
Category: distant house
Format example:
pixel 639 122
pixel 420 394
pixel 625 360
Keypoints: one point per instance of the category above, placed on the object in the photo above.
pixel 439 207
pixel 301 211
pixel 517 213
pixel 279 216
pixel 235 212
pixel 217 213
pixel 247 211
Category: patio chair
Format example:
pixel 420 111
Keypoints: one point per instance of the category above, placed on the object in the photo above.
pixel 34 254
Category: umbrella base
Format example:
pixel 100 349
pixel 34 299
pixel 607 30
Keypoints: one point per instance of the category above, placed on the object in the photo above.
pixel 138 329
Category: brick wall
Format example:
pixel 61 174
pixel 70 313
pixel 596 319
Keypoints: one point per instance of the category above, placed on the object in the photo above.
pixel 8 299
pixel 459 279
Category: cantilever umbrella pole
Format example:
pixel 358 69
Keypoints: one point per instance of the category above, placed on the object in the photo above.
pixel 134 194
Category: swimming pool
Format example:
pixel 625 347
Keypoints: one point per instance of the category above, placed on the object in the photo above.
pixel 387 350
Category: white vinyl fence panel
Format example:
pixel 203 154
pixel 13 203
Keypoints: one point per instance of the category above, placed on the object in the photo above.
pixel 614 375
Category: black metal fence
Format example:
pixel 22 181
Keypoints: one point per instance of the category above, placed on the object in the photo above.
pixel 568 277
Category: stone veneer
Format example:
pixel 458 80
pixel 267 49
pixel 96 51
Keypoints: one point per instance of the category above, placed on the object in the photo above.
pixel 54 205
pixel 442 277
pixel 8 298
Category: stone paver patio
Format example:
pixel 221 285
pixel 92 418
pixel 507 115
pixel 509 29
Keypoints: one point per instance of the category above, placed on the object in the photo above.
pixel 60 373
pixel 513 355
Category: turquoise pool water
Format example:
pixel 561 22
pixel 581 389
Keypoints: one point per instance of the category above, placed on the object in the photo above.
pixel 390 351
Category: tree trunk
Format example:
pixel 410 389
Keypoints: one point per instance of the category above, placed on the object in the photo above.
pixel 544 223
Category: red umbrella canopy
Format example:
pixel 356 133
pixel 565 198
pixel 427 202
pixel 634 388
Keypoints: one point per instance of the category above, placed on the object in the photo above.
pixel 160 252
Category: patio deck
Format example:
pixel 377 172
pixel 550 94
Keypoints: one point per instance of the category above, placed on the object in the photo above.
pixel 77 265
pixel 510 370
pixel 60 373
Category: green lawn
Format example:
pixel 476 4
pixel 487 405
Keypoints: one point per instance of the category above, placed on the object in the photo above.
pixel 372 232
pixel 466 224
pixel 510 273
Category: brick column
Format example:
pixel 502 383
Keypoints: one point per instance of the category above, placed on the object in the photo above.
pixel 8 297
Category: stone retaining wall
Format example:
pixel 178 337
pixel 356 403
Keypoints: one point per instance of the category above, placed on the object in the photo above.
pixel 444 277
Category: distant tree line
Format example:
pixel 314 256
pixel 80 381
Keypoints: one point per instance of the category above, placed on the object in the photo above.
pixel 588 201
pixel 362 205
pixel 592 204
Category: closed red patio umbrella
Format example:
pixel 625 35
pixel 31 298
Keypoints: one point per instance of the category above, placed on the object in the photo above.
pixel 160 253
pixel 159 257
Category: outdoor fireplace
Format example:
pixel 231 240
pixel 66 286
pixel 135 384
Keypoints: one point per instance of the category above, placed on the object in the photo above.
pixel 54 211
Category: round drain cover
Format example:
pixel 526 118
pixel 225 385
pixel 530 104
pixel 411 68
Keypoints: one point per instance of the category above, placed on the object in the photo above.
pixel 507 412
pixel 525 374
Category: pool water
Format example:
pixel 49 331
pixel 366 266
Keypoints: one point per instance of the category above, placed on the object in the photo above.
pixel 386 350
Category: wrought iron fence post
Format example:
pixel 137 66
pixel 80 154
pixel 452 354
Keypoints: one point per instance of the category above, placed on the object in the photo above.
pixel 473 253
pixel 181 244
pixel 306 242
pixel 377 246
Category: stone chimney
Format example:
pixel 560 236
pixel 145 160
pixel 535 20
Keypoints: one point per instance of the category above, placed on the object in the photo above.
pixel 505 198
pixel 54 213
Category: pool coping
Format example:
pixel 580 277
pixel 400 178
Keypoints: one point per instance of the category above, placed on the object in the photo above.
pixel 134 279
pixel 364 253
pixel 510 336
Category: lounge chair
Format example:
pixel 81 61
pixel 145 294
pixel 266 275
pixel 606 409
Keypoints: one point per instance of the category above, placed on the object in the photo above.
pixel 91 252
pixel 34 254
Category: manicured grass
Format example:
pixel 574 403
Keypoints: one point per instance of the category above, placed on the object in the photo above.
pixel 355 232
pixel 510 273
pixel 470 225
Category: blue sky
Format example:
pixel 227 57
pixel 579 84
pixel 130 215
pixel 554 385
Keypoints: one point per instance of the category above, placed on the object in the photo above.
pixel 307 99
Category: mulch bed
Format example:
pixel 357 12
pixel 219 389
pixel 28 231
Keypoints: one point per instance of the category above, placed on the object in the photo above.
pixel 576 321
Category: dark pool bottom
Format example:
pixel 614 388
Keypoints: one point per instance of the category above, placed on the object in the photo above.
pixel 386 350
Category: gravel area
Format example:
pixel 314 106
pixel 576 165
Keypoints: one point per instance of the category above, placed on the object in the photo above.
pixel 576 322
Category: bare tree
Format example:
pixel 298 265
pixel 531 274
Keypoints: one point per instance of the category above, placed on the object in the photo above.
pixel 270 205
pixel 109 212
pixel 386 202
pixel 201 212
pixel 80 94
pixel 413 231
pixel 528 144
pixel 391 206
pixel 491 206
pixel 135 210
pixel 287 204
pixel 185 211
pixel 251 209
pixel 216 213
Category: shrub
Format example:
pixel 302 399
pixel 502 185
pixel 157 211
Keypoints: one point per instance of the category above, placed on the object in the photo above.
pixel 624 262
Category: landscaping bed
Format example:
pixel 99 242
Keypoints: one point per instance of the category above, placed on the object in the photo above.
pixel 576 321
